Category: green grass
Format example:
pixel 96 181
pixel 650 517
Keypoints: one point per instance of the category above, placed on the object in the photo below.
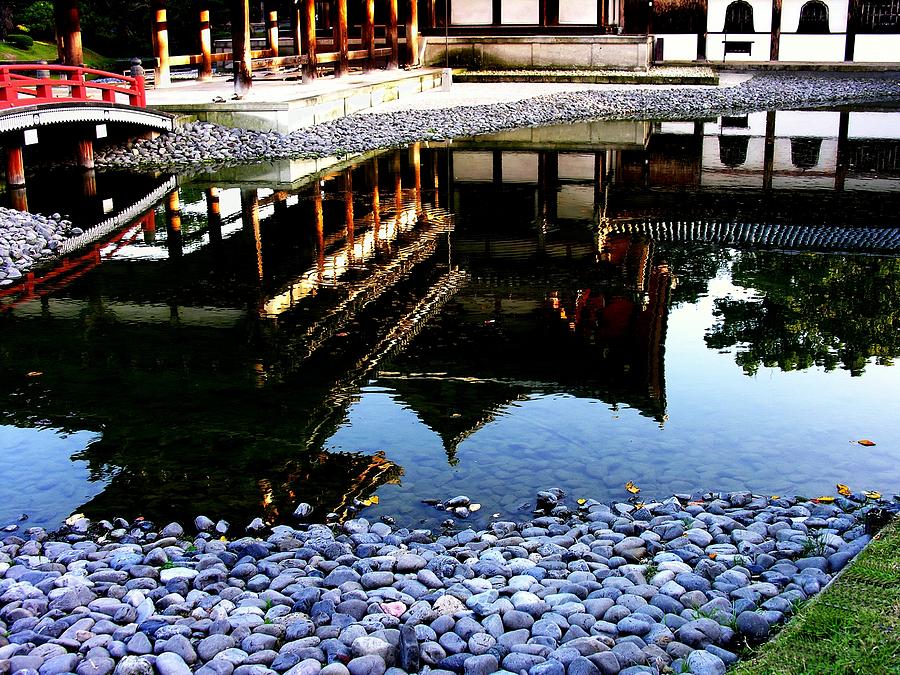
pixel 45 51
pixel 852 627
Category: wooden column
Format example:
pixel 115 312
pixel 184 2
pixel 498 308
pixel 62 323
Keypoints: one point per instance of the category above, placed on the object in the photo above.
pixel 769 151
pixel 308 32
pixel 205 71
pixel 296 27
pixel 162 72
pixel 601 15
pixel 776 30
pixel 68 29
pixel 852 27
pixel 412 34
pixel 368 33
pixel 86 153
pixel 272 28
pixel 392 37
pixel 250 224
pixel 15 166
pixel 432 20
pixel 342 67
pixel 549 12
pixel 240 46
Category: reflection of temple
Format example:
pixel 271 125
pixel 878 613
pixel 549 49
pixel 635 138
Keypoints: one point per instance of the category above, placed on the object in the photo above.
pixel 230 370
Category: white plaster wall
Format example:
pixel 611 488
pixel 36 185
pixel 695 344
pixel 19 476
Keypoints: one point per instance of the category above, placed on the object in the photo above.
pixel 873 125
pixel 575 166
pixel 473 167
pixel 575 202
pixel 748 174
pixel 680 128
pixel 807 123
pixel 678 46
pixel 578 11
pixel 837 15
pixel 520 167
pixel 471 12
pixel 759 50
pixel 520 12
pixel 762 15
pixel 877 48
pixel 818 48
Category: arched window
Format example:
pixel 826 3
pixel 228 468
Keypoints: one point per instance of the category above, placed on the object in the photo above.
pixel 813 17
pixel 739 17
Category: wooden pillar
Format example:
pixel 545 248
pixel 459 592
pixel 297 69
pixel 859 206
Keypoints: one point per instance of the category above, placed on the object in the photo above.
pixel 296 27
pixel 59 25
pixel 549 10
pixel 852 28
pixel 776 30
pixel 497 12
pixel 240 47
pixel 272 28
pixel 368 33
pixel 412 34
pixel 205 71
pixel 308 33
pixel 86 153
pixel 162 72
pixel 68 29
pixel 392 37
pixel 342 67
pixel 250 224
pixel 602 18
pixel 15 166
pixel 431 20
pixel 769 151
pixel 843 161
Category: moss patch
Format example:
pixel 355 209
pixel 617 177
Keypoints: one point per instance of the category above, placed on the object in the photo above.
pixel 45 51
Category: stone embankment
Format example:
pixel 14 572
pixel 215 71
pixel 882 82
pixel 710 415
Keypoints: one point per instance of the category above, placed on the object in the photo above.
pixel 625 588
pixel 203 145
pixel 28 238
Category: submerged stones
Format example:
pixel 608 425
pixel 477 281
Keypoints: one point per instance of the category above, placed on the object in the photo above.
pixel 598 588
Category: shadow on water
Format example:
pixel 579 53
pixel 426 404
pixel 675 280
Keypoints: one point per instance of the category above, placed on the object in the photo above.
pixel 546 306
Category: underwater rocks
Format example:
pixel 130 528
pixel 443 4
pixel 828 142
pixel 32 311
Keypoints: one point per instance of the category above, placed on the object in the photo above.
pixel 591 588
pixel 204 145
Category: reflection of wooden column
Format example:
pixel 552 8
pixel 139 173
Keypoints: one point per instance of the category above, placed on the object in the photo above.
pixel 776 30
pixel 205 72
pixel 349 225
pixel 417 176
pixel 769 154
pixel 598 182
pixel 497 169
pixel 308 19
pixel 398 188
pixel 250 223
pixel 18 199
pixel 843 161
pixel 320 231
pixel 161 44
pixel 548 173
pixel 412 33
pixel 173 225
pixel 392 37
pixel 86 153
pixel 368 33
pixel 240 47
pixel 214 216
pixel 89 184
pixel 272 28
pixel 436 178
pixel 148 226
pixel 342 67
pixel 376 196
pixel 68 28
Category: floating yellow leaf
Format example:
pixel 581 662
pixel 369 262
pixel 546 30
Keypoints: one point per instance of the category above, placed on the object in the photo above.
pixel 582 502
pixel 374 499
pixel 843 490
pixel 824 499
pixel 866 442
pixel 632 488
pixel 872 494
pixel 223 538
pixel 365 502
pixel 775 497
pixel 639 505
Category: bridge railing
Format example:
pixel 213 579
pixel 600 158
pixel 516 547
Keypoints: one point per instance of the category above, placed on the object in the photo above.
pixel 26 84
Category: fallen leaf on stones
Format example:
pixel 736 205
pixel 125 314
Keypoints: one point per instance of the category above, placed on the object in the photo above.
pixel 695 503
pixel 74 518
pixel 866 442
pixel 843 490
pixel 713 556
pixel 639 505
pixel 582 502
pixel 872 494
pixel 374 499
pixel 223 538
pixel 775 497
pixel 33 373
pixel 632 488
pixel 474 507
pixel 824 499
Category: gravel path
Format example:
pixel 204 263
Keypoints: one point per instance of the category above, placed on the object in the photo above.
pixel 580 589
pixel 209 146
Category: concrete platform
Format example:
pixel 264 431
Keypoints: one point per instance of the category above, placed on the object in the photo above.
pixel 284 104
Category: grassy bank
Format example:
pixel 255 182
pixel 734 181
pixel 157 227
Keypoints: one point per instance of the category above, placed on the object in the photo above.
pixel 852 627
pixel 45 51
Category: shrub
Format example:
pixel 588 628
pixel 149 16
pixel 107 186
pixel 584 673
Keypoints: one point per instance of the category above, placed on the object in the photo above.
pixel 20 41
pixel 38 17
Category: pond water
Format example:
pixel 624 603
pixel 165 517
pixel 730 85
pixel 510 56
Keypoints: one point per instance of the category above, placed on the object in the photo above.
pixel 689 306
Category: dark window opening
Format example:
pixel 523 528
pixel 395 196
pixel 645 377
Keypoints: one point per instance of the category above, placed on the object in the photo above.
pixel 805 152
pixel 736 122
pixel 733 150
pixel 739 17
pixel 813 17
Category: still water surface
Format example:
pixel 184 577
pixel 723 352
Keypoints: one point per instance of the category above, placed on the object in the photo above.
pixel 688 306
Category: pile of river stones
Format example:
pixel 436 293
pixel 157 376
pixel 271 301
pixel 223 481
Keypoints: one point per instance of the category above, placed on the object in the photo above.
pixel 681 584
pixel 208 145
pixel 28 238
